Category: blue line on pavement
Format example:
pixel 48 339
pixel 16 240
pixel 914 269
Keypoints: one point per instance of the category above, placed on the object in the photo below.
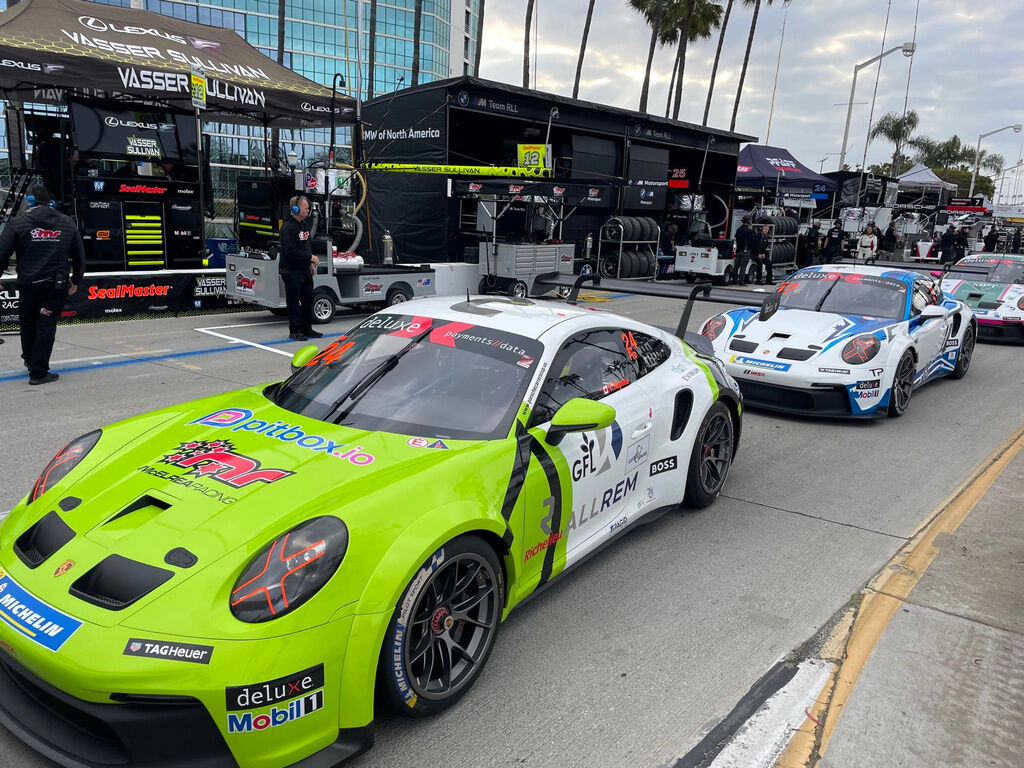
pixel 14 375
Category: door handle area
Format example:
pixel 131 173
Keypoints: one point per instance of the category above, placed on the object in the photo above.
pixel 642 429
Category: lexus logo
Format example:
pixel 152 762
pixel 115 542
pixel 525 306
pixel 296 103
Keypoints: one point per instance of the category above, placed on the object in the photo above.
pixel 307 107
pixel 114 122
pixel 91 22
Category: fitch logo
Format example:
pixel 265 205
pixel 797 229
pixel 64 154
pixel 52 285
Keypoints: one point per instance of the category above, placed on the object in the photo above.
pixel 217 459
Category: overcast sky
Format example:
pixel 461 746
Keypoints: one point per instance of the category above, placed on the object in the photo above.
pixel 966 77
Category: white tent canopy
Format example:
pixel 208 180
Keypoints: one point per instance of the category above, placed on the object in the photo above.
pixel 922 177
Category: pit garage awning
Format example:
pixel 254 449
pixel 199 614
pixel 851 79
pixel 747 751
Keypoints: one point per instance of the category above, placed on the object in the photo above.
pixel 762 167
pixel 587 194
pixel 52 49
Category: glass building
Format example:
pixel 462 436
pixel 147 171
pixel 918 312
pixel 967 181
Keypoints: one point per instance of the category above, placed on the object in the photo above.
pixel 319 39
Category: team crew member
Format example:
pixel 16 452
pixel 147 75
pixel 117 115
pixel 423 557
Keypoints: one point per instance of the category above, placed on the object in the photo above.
pixel 867 244
pixel 763 256
pixel 45 240
pixel 298 264
pixel 746 246
pixel 832 250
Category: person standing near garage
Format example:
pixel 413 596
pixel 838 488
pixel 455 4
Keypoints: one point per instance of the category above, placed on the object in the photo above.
pixel 746 247
pixel 832 249
pixel 946 245
pixel 763 256
pixel 50 265
pixel 298 264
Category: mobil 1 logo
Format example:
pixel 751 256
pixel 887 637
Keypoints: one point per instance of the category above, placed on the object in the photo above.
pixel 664 465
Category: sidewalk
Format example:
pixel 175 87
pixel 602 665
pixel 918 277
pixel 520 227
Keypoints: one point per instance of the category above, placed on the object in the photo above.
pixel 944 687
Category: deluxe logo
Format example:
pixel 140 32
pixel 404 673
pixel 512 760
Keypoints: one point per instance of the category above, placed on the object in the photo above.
pixel 142 189
pixel 155 649
pixel 126 291
pixel 218 460
pixel 45 234
pixel 257 695
pixel 241 420
pixel 247 723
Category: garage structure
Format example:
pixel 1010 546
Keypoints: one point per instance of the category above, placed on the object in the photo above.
pixel 650 165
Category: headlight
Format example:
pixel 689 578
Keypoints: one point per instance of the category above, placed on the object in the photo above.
pixel 861 349
pixel 66 460
pixel 713 327
pixel 1020 303
pixel 289 570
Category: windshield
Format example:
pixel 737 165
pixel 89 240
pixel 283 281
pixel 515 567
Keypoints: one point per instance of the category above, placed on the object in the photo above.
pixel 416 375
pixel 845 294
pixel 999 271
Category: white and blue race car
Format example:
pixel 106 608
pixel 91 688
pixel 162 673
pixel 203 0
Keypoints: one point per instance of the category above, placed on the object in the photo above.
pixel 846 340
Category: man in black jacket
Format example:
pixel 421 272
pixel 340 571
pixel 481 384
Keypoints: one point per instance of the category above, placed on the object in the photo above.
pixel 763 256
pixel 45 241
pixel 746 247
pixel 297 267
pixel 946 245
pixel 991 239
pixel 832 250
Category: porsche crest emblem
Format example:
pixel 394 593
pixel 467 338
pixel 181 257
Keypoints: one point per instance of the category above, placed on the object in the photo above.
pixel 63 568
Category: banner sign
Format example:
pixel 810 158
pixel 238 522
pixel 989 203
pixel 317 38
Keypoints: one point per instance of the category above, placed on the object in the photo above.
pixel 460 170
pixel 966 204
pixel 197 85
pixel 534 155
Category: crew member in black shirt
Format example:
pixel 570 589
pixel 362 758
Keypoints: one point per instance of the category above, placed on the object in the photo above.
pixel 746 247
pixel 45 241
pixel 832 249
pixel 297 267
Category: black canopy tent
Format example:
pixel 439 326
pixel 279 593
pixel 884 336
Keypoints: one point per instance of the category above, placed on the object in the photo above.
pixel 761 167
pixel 51 49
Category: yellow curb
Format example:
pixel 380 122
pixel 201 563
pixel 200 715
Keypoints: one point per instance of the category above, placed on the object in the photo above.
pixel 882 597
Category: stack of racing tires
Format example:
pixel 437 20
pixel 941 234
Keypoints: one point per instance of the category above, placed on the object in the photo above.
pixel 638 237
pixel 783 251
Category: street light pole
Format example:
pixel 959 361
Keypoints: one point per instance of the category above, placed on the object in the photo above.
pixel 977 152
pixel 908 50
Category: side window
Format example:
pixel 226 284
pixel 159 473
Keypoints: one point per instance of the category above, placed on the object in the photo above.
pixel 651 352
pixel 921 297
pixel 592 364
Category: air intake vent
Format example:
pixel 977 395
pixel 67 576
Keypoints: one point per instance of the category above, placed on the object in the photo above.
pixel 44 538
pixel 116 582
pixel 742 346
pixel 150 503
pixel 989 305
pixel 792 353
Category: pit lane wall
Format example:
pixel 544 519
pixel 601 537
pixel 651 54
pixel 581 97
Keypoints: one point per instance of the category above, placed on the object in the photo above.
pixel 117 295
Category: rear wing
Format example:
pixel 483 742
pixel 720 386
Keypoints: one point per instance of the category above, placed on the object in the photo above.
pixel 690 295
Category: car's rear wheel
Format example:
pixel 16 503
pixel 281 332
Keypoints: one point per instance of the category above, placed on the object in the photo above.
pixel 963 360
pixel 902 385
pixel 711 458
pixel 443 628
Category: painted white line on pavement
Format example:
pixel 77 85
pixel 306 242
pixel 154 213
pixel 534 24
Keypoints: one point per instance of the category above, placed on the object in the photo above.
pixel 762 739
pixel 244 325
pixel 236 340
pixel 106 357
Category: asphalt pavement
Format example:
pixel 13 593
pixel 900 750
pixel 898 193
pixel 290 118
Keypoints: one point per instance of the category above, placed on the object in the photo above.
pixel 634 657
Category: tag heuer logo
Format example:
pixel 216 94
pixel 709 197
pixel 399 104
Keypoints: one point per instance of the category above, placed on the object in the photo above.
pixel 135 647
pixel 63 568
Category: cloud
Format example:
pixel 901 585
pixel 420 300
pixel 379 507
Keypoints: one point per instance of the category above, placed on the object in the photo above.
pixel 964 78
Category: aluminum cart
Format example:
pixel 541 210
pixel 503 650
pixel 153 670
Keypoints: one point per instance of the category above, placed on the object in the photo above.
pixel 252 276
pixel 513 267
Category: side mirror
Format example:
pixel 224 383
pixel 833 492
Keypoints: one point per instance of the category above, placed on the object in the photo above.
pixel 769 306
pixel 303 356
pixel 933 310
pixel 579 415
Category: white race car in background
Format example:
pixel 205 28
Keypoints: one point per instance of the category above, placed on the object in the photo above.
pixel 992 285
pixel 845 340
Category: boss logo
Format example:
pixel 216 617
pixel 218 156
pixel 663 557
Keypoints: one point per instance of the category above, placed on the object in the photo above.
pixel 664 465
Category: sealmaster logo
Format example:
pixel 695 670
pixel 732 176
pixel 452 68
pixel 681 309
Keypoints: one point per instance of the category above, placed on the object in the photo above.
pixel 45 234
pixel 217 459
pixel 127 291
pixel 142 189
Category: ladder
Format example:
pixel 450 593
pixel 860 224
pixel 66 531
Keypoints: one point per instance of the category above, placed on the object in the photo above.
pixel 21 180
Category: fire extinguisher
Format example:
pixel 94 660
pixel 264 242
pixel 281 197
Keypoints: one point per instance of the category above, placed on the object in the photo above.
pixel 389 248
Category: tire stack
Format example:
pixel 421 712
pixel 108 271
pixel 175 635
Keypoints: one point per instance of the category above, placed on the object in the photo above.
pixel 783 251
pixel 635 261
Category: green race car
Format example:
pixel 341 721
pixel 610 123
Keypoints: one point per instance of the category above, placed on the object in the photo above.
pixel 237 580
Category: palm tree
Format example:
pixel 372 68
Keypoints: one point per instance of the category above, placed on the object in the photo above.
pixel 699 19
pixel 479 39
pixel 417 20
pixel 718 55
pixel 583 48
pixel 526 45
pixel 372 52
pixel 746 55
pixel 655 30
pixel 897 131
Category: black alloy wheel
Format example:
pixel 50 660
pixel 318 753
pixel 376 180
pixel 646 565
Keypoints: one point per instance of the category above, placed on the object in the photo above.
pixel 711 458
pixel 443 628
pixel 902 385
pixel 963 360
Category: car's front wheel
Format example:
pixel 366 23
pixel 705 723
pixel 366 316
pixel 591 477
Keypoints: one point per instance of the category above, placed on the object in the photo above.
pixel 711 457
pixel 902 385
pixel 963 360
pixel 443 628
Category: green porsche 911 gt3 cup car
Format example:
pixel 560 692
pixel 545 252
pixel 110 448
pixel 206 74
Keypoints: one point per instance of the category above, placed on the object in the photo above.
pixel 229 581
